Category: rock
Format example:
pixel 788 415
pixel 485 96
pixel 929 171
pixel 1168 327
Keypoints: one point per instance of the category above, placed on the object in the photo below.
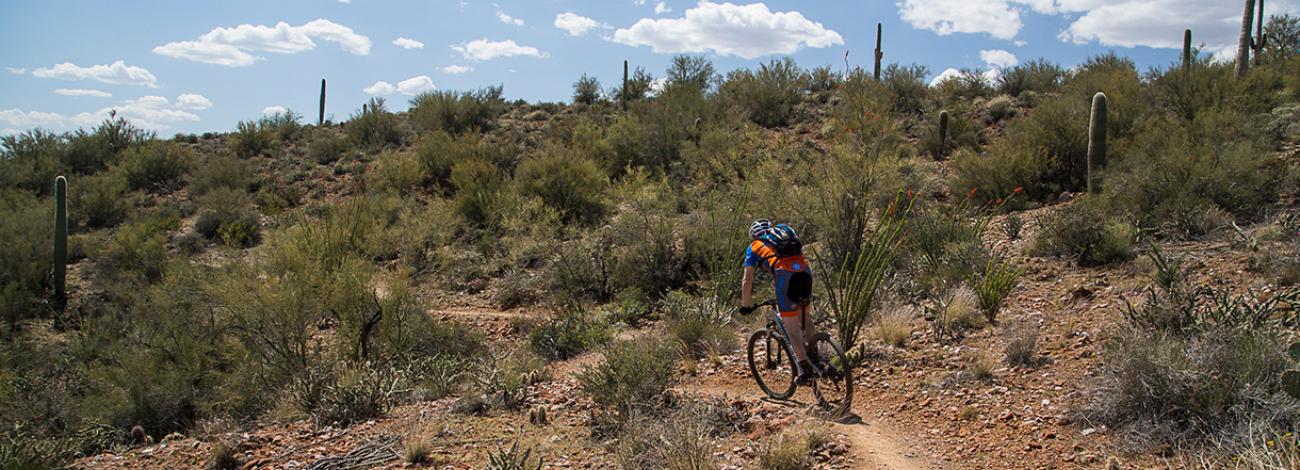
pixel 1089 432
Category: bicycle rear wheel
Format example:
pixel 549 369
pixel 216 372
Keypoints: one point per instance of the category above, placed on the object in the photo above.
pixel 833 386
pixel 771 364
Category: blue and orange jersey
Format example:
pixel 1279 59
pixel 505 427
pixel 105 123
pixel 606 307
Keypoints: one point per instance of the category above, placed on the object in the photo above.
pixel 759 253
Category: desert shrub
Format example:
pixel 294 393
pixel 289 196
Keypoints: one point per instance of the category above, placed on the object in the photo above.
pixel 1012 225
pixel 993 284
pixel 514 458
pixel 908 91
pixel 699 325
pixel 157 166
pixel 455 112
pixel 32 159
pixel 579 271
pixel 225 215
pixel 328 147
pixel 136 249
pixel 252 139
pixel 822 80
pixel 792 450
pixel 503 377
pixel 1021 348
pixel 692 72
pixel 633 375
pixel 284 125
pixel 1084 232
pixel 222 172
pixel 401 172
pixel 683 438
pixel 644 252
pixel 569 334
pixel 479 193
pixel 1037 76
pixel 374 127
pixel 24 252
pixel 651 134
pixel 953 313
pixel 963 133
pixel 586 90
pixel 1115 76
pixel 639 83
pixel 768 95
pixel 357 394
pixel 978 365
pixel 21 451
pixel 966 85
pixel 100 200
pixel 571 184
pixel 438 151
pixel 893 326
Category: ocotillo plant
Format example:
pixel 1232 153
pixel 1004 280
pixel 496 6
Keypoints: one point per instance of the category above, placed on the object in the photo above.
pixel 1257 44
pixel 943 131
pixel 60 268
pixel 320 121
pixel 1096 140
pixel 1245 43
pixel 879 53
pixel 622 95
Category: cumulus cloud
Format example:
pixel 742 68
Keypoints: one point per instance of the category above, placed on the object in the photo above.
pixel 193 101
pixel 380 88
pixel 273 110
pixel 998 58
pixel 944 17
pixel 456 69
pixel 661 8
pixel 482 49
pixel 408 43
pixel 575 25
pixel 944 76
pixel 117 73
pixel 16 71
pixel 415 85
pixel 507 19
pixel 31 119
pixel 234 47
pixel 83 92
pixel 746 31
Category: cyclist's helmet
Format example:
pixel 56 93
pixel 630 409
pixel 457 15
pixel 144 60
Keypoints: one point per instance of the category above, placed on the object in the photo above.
pixel 781 233
pixel 759 227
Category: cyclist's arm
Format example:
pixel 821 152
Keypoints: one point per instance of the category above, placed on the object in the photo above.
pixel 747 286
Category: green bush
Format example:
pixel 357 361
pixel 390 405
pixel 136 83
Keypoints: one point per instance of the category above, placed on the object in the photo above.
pixel 222 172
pixel 586 90
pixel 993 285
pixel 401 172
pixel 1085 232
pixel 253 139
pixel 285 125
pixel 569 183
pixel 1037 76
pixel 639 83
pixel 695 73
pixel 569 334
pixel 479 193
pixel 100 201
pixel 768 96
pixel 908 91
pixel 963 133
pixel 328 147
pixel 157 166
pixel 226 216
pixel 136 250
pixel 374 127
pixel 633 375
pixel 357 394
pixel 455 112
pixel 699 325
pixel 24 252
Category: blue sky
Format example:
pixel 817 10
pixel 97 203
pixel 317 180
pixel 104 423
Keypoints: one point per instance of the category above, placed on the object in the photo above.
pixel 199 66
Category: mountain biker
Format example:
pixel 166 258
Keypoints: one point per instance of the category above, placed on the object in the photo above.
pixel 777 248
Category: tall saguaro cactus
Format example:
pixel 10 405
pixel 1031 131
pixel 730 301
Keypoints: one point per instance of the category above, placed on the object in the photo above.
pixel 1187 51
pixel 943 131
pixel 879 53
pixel 1257 44
pixel 1245 43
pixel 1096 140
pixel 320 121
pixel 622 95
pixel 60 268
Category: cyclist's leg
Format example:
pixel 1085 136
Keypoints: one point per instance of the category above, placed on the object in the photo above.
pixel 809 328
pixel 793 323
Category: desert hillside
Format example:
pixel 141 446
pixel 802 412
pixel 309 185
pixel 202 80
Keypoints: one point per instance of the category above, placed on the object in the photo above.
pixel 1064 268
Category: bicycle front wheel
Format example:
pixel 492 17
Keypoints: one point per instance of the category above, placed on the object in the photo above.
pixel 833 385
pixel 771 364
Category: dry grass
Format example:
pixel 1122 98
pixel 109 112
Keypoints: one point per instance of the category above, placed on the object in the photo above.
pixel 980 365
pixel 893 327
pixel 793 450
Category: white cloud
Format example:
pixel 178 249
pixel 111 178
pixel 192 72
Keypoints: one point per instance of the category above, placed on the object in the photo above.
pixel 193 101
pixel 149 112
pixel 457 69
pixel 16 71
pixel 83 92
pixel 746 31
pixel 415 85
pixel 575 25
pixel 639 2
pixel 662 7
pixel 30 119
pixel 408 43
pixel 380 88
pixel 233 47
pixel 945 75
pixel 117 73
pixel 945 17
pixel 273 110
pixel 482 49
pixel 998 58
pixel 507 19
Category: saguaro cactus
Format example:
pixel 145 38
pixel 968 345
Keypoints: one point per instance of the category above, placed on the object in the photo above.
pixel 879 53
pixel 320 121
pixel 1257 44
pixel 1187 51
pixel 60 268
pixel 943 131
pixel 1244 42
pixel 622 95
pixel 1096 140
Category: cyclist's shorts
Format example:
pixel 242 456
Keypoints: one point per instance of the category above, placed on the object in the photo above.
pixel 799 310
pixel 793 290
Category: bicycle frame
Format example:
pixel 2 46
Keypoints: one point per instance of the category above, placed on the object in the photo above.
pixel 789 344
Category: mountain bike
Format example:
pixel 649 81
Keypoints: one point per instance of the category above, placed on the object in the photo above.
pixel 772 362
